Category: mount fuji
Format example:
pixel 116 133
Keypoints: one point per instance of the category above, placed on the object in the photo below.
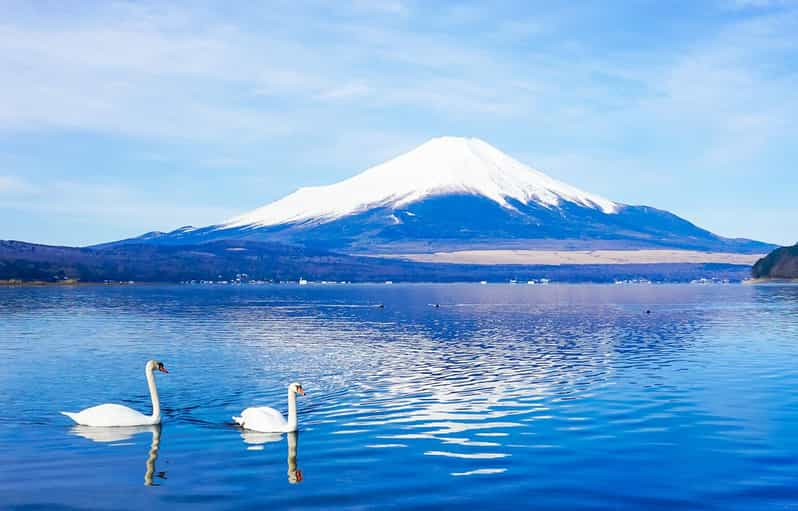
pixel 455 193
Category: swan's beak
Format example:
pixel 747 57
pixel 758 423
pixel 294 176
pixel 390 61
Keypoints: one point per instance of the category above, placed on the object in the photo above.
pixel 162 368
pixel 300 391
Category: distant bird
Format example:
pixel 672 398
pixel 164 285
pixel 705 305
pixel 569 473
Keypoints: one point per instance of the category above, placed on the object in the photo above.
pixel 268 420
pixel 381 306
pixel 112 415
pixel 648 311
pixel 437 306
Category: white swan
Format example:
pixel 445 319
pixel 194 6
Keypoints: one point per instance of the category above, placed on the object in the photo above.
pixel 269 420
pixel 111 415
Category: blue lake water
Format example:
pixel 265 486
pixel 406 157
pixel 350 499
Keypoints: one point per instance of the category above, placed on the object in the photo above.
pixel 549 397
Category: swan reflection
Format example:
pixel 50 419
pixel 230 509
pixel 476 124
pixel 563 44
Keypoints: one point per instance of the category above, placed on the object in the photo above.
pixel 109 435
pixel 255 442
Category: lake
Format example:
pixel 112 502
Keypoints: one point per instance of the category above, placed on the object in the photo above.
pixel 545 397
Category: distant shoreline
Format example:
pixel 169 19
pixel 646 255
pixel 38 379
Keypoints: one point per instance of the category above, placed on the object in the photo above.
pixel 319 284
pixel 576 257
pixel 767 280
pixel 67 283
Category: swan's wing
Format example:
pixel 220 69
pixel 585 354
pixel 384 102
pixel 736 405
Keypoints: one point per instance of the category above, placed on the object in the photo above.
pixel 262 413
pixel 263 419
pixel 109 415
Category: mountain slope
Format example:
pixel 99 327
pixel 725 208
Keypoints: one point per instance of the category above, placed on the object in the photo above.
pixel 451 194
pixel 442 166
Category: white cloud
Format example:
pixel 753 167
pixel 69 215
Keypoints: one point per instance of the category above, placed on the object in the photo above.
pixel 757 4
pixel 15 186
pixel 343 78
pixel 146 75
pixel 385 6
pixel 726 92
pixel 125 80
pixel 345 91
pixel 160 72
pixel 108 204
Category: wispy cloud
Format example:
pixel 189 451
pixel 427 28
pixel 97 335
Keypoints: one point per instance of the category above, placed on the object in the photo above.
pixel 146 75
pixel 385 6
pixel 13 185
pixel 757 4
pixel 346 91
pixel 728 89
pixel 109 204
pixel 288 93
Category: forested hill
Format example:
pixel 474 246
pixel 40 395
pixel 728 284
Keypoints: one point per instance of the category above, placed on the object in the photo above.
pixel 782 263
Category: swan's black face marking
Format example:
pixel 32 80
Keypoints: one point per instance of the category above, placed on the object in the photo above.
pixel 159 366
pixel 300 390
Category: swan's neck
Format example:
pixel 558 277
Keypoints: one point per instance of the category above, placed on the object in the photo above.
pixel 291 411
pixel 156 402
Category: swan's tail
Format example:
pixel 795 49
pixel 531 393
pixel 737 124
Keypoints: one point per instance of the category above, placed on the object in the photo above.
pixel 71 415
pixel 239 420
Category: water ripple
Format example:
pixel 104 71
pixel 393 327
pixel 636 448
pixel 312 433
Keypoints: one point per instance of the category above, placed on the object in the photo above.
pixel 568 393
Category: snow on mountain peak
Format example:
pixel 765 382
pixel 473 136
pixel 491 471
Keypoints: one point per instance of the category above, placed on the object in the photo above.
pixel 441 166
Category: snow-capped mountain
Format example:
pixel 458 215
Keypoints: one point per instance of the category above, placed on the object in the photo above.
pixel 456 193
pixel 442 166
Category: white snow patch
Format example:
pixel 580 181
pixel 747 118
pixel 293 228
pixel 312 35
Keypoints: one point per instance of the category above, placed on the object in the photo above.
pixel 441 166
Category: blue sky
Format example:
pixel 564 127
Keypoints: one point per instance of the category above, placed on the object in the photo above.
pixel 120 118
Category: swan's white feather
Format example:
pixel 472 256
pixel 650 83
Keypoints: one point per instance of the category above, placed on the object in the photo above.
pixel 263 419
pixel 110 415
